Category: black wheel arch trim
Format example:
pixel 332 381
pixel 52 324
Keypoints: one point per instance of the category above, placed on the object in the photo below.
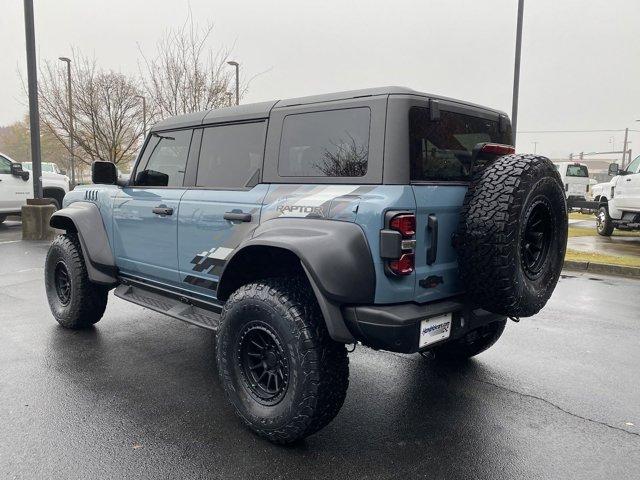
pixel 84 219
pixel 334 255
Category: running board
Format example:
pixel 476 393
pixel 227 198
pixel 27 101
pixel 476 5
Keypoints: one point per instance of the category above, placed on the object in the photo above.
pixel 179 308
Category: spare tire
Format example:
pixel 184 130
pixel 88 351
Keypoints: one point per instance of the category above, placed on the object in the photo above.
pixel 512 235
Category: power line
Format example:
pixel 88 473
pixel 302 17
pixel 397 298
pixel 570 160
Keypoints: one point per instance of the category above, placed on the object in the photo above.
pixel 575 131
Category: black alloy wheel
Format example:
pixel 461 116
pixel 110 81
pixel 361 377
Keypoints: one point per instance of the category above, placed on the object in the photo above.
pixel 263 362
pixel 536 238
pixel 63 283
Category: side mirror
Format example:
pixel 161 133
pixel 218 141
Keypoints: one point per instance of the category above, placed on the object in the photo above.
pixel 25 175
pixel 104 173
pixel 151 178
pixel 63 172
pixel 614 169
pixel 16 169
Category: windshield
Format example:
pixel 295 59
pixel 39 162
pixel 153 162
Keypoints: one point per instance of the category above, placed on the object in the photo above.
pixel 440 150
pixel 46 167
pixel 577 171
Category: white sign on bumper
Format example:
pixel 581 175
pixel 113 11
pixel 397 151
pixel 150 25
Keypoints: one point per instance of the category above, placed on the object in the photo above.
pixel 434 329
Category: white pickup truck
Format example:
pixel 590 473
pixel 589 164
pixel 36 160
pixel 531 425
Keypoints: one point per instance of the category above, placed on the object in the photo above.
pixel 55 183
pixel 619 199
pixel 15 187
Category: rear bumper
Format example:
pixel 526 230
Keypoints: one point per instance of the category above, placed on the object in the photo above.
pixel 396 328
pixel 580 202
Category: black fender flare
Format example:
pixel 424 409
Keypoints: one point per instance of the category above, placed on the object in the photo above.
pixel 84 218
pixel 335 256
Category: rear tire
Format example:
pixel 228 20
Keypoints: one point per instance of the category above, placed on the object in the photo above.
pixel 604 225
pixel 473 343
pixel 284 376
pixel 512 235
pixel 75 301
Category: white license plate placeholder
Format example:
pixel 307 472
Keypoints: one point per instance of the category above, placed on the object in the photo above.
pixel 435 329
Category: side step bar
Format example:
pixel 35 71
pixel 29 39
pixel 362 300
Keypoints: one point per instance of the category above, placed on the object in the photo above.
pixel 178 307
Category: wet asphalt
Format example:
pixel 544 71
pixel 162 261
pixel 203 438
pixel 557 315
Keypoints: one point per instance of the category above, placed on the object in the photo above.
pixel 137 397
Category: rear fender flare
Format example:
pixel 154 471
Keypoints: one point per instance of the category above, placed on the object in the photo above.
pixel 84 218
pixel 334 255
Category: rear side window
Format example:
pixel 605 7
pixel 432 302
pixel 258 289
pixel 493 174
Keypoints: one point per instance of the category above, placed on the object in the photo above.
pixel 230 155
pixel 577 171
pixel 440 150
pixel 165 158
pixel 333 143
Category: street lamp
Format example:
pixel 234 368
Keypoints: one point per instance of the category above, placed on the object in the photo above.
pixel 237 66
pixel 144 114
pixel 516 72
pixel 73 165
pixel 32 83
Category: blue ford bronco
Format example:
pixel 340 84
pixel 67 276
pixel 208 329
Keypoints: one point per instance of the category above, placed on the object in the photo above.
pixel 389 217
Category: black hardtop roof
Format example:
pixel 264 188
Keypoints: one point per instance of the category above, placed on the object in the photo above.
pixel 251 111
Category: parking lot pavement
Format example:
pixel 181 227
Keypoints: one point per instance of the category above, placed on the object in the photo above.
pixel 10 231
pixel 137 396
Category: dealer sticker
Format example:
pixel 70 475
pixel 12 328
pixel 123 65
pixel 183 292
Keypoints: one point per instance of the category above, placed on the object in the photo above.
pixel 434 329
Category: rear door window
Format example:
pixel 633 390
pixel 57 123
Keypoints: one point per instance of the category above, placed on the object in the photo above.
pixel 441 150
pixel 332 143
pixel 230 155
pixel 577 171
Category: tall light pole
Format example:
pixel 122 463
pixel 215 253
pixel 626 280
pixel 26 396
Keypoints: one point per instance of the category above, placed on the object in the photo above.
pixel 237 66
pixel 535 146
pixel 144 114
pixel 230 97
pixel 34 115
pixel 516 72
pixel 73 163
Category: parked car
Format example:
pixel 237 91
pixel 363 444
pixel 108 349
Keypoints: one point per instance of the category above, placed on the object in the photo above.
pixel 619 199
pixel 397 219
pixel 15 187
pixel 575 178
pixel 55 183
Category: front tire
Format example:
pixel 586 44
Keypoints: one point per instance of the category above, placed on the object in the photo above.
pixel 604 225
pixel 75 301
pixel 284 376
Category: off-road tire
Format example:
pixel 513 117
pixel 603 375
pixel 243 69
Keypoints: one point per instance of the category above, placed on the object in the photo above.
pixel 473 343
pixel 604 225
pixel 318 367
pixel 497 236
pixel 83 303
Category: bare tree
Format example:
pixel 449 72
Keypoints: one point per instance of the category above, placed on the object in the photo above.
pixel 186 75
pixel 347 159
pixel 107 113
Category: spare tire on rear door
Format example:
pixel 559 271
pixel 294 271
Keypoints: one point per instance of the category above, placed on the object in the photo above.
pixel 512 235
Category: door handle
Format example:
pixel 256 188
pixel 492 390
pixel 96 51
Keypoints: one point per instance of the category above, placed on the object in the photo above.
pixel 160 210
pixel 628 179
pixel 237 216
pixel 432 251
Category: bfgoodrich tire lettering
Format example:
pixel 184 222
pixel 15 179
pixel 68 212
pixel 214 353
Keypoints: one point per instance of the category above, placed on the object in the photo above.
pixel 315 369
pixel 75 301
pixel 513 235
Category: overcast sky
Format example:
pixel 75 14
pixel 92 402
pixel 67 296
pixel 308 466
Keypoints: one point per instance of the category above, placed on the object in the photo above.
pixel 580 66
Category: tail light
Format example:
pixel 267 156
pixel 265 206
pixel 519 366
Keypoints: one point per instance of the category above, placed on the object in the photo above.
pixel 497 149
pixel 404 265
pixel 397 243
pixel 405 224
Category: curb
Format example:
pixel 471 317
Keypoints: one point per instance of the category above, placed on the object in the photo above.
pixel 602 268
